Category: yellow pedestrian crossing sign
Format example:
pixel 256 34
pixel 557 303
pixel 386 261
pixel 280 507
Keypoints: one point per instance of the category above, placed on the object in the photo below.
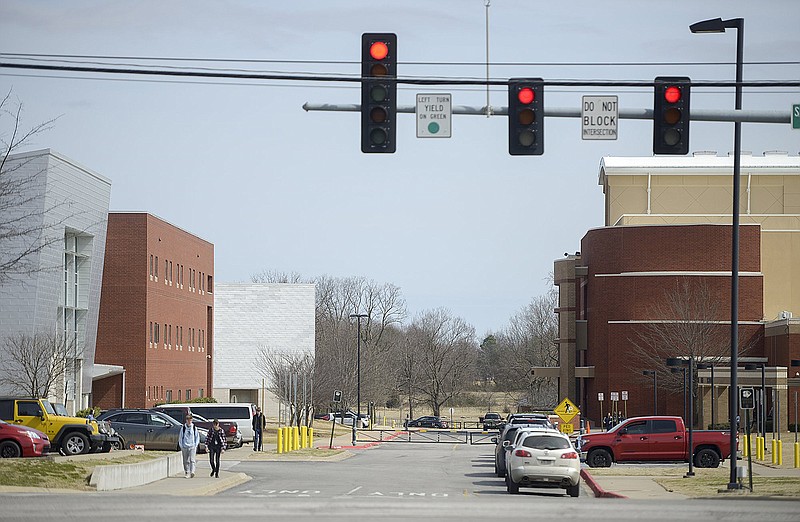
pixel 566 410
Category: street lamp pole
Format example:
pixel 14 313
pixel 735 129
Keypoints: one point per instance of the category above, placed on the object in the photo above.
pixel 718 25
pixel 683 371
pixel 676 362
pixel 358 318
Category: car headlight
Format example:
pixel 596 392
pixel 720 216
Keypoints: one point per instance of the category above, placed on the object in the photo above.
pixel 33 435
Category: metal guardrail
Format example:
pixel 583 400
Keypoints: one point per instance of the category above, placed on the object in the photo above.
pixel 429 436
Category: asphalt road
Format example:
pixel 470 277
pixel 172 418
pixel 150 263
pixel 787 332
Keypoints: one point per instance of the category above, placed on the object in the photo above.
pixel 394 481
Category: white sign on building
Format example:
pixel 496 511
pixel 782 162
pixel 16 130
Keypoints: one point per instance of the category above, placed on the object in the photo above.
pixel 599 117
pixel 434 114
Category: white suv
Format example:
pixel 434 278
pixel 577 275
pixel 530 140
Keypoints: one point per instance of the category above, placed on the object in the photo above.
pixel 543 458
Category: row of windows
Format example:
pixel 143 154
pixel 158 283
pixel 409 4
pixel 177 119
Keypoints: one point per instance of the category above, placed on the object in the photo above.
pixel 196 338
pixel 156 393
pixel 197 281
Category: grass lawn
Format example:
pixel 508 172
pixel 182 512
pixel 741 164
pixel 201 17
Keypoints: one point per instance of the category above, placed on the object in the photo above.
pixel 56 473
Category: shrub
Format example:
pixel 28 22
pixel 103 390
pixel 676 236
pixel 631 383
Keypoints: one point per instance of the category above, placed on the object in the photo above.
pixel 95 411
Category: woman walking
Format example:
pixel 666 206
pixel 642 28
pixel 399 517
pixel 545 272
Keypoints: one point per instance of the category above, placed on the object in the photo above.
pixel 216 443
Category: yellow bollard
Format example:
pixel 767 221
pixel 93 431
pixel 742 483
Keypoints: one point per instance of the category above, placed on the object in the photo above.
pixel 286 440
pixel 310 437
pixel 797 454
pixel 304 437
pixel 280 441
pixel 780 453
pixel 296 437
pixel 763 446
pixel 774 451
pixel 759 448
pixel 745 446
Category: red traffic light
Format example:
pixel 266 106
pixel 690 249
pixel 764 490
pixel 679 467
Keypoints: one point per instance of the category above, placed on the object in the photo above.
pixel 672 94
pixel 378 50
pixel 525 95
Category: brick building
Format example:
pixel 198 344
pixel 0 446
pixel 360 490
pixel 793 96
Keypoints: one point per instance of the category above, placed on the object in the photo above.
pixel 156 313
pixel 667 223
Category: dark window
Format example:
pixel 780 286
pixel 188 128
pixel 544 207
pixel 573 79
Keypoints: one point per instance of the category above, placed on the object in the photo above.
pixel 158 420
pixel 637 428
pixel 131 418
pixel 223 412
pixel 664 426
pixel 545 442
pixel 29 409
pixel 7 410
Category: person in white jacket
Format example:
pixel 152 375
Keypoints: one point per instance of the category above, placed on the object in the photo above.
pixel 188 441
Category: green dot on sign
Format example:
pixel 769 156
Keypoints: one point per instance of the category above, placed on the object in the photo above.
pixel 433 127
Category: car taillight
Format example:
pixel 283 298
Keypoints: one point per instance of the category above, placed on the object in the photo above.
pixel 569 455
pixel 233 429
pixel 522 453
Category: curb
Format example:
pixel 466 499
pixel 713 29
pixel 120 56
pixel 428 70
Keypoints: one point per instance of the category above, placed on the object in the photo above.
pixel 595 487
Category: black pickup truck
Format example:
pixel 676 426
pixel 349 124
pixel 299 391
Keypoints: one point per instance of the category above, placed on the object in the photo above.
pixel 492 421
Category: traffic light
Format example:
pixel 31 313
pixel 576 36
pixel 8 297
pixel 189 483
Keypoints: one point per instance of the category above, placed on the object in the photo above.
pixel 378 92
pixel 337 396
pixel 671 115
pixel 525 116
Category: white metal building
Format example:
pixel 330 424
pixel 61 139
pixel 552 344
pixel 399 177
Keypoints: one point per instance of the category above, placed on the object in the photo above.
pixel 61 297
pixel 250 316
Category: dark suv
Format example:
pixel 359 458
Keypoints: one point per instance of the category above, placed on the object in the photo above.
pixel 153 429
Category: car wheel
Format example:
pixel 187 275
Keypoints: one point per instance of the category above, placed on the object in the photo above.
pixel 10 450
pixel 511 486
pixel 119 444
pixel 599 458
pixel 75 443
pixel 574 491
pixel 706 458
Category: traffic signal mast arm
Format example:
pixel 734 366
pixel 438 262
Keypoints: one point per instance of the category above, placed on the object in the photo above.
pixel 721 115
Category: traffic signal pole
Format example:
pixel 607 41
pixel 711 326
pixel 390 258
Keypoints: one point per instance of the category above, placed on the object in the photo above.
pixel 718 115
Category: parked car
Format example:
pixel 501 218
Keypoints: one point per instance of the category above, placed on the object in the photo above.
pixel 347 418
pixel 492 421
pixel 543 458
pixel 21 441
pixel 239 412
pixel 508 435
pixel 71 435
pixel 428 421
pixel 232 432
pixel 154 430
pixel 654 438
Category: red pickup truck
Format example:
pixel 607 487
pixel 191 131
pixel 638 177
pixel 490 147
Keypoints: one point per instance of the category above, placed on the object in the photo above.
pixel 654 438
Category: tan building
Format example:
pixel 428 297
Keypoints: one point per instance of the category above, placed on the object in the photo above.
pixel 667 219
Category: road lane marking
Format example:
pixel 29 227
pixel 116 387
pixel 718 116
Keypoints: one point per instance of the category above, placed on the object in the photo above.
pixel 353 490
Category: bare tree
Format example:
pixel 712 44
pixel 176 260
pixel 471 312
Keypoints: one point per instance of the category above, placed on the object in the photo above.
pixel 689 326
pixel 274 276
pixel 445 356
pixel 22 228
pixel 35 365
pixel 283 371
pixel 528 341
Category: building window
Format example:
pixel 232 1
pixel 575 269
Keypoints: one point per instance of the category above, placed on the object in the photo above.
pixel 166 271
pixel 210 285
pixel 169 396
pixel 151 334
pixel 170 337
pixel 151 267
pixel 181 277
pixel 155 339
pixel 180 395
pixel 165 335
pixel 188 395
pixel 170 273
pixel 156 265
pixel 201 392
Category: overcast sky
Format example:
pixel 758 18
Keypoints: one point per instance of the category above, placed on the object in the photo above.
pixel 455 223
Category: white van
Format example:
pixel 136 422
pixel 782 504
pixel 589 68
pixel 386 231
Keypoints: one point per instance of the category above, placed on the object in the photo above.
pixel 239 412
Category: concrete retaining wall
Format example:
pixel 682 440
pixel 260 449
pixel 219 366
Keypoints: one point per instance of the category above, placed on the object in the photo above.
pixel 106 478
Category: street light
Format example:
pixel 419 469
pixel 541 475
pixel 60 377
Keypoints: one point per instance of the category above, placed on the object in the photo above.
pixel 655 389
pixel 718 25
pixel 358 318
pixel 683 371
pixel 795 363
pixel 676 362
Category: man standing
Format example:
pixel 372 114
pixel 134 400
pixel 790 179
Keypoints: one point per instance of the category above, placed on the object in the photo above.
pixel 188 441
pixel 259 423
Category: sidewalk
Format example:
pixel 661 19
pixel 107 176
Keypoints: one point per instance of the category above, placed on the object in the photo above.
pixel 646 487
